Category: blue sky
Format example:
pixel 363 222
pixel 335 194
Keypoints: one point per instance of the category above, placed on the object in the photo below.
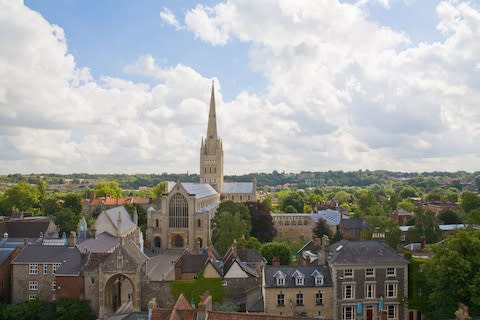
pixel 123 86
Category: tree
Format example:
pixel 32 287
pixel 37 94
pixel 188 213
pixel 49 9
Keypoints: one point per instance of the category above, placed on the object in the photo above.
pixel 251 243
pixel 276 249
pixel 408 192
pixel 337 236
pixel 231 222
pixel 74 309
pixel 160 189
pixel 407 205
pixel 290 209
pixel 21 196
pixel 342 197
pixel 262 222
pixel 108 188
pixel 449 217
pixel 473 217
pixel 73 201
pixel 387 226
pixel 453 274
pixel 66 221
pixel 425 226
pixel 470 201
pixel 294 199
pixel 322 229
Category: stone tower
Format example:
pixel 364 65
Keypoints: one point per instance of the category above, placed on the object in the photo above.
pixel 211 151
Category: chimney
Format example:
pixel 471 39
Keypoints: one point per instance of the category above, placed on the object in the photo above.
pixel 276 261
pixel 72 240
pixel 205 303
pixel 135 216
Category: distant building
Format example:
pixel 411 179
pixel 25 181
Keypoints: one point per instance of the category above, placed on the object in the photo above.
pixel 401 216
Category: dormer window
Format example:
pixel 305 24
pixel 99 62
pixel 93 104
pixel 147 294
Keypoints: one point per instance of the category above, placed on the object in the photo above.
pixel 318 277
pixel 280 277
pixel 299 278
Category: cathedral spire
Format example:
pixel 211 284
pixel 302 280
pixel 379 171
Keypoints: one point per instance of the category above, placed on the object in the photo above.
pixel 212 117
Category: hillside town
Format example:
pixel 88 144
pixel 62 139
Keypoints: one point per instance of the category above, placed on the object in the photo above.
pixel 228 250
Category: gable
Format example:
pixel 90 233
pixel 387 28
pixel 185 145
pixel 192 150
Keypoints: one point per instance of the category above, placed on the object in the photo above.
pixel 236 271
pixel 129 261
pixel 210 271
pixel 103 224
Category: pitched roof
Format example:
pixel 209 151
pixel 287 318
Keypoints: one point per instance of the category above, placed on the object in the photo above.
pixel 69 257
pixel 332 217
pixel 289 272
pixel 126 221
pixel 363 252
pixel 200 190
pixel 238 187
pixel 103 243
pixel 28 227
pixel 5 253
pixel 354 223
pixel 192 263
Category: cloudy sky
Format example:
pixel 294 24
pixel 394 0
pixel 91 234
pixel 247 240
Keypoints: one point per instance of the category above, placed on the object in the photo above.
pixel 123 86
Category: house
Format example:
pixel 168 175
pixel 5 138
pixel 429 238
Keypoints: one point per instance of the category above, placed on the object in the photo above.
pixel 298 291
pixel 370 280
pixel 351 229
pixel 28 227
pixel 34 272
pixel 401 216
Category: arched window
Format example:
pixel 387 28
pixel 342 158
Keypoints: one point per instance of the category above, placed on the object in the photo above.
pixel 178 212
pixel 199 223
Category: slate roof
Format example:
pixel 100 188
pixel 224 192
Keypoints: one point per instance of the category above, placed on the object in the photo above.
pixel 258 306
pixel 249 255
pixel 28 227
pixel 363 252
pixel 69 257
pixel 238 187
pixel 127 223
pixel 103 243
pixel 192 263
pixel 200 190
pixel 5 253
pixel 332 217
pixel 307 271
pixel 94 260
pixel 354 223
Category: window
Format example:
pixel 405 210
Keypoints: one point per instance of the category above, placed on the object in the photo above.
pixel 55 267
pixel 178 212
pixel 54 285
pixel 299 281
pixel 156 223
pixel 32 296
pixel 299 299
pixel 370 273
pixel 348 291
pixel 391 290
pixel 199 223
pixel 370 290
pixel 33 268
pixel 391 312
pixel 45 268
pixel 32 285
pixel 280 281
pixel 318 298
pixel 348 313
pixel 318 280
pixel 280 299
pixel 348 273
pixel 390 272
pixel 92 280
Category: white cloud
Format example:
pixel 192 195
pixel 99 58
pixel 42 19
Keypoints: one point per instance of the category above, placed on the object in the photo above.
pixel 169 18
pixel 343 93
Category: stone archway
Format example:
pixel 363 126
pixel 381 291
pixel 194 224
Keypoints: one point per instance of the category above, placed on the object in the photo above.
pixel 177 241
pixel 157 243
pixel 119 294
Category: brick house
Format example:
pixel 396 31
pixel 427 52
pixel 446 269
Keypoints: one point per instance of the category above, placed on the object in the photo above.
pixel 370 279
pixel 299 291
pixel 34 272
pixel 6 257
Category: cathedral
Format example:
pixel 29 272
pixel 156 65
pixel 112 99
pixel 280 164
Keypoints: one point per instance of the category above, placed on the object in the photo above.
pixel 184 213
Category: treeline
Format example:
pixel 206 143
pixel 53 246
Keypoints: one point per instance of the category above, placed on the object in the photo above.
pixel 426 181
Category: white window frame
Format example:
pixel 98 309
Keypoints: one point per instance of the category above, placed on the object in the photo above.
pixel 319 298
pixel 299 281
pixel 32 297
pixel 55 267
pixel 54 285
pixel 45 268
pixel 368 274
pixel 352 291
pixel 299 299
pixel 33 268
pixel 348 273
pixel 370 294
pixel 352 310
pixel 33 285
pixel 394 293
pixel 318 280
pixel 391 272
pixel 280 281
pixel 395 311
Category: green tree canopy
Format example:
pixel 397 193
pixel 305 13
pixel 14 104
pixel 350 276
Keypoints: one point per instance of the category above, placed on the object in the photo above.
pixel 470 201
pixel 449 217
pixel 160 189
pixel 66 221
pixel 231 222
pixel 387 226
pixel 110 188
pixel 276 249
pixel 262 222
pixel 322 229
pixel 73 201
pixel 407 205
pixel 21 196
pixel 453 274
pixel 425 226
pixel 294 199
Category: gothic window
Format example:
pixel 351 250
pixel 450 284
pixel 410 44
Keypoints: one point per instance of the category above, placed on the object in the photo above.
pixel 178 241
pixel 178 212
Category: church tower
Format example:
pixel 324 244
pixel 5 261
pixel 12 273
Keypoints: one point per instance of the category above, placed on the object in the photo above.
pixel 211 151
